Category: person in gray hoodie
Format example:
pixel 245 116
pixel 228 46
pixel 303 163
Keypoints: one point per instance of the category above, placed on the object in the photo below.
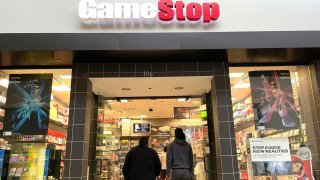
pixel 179 157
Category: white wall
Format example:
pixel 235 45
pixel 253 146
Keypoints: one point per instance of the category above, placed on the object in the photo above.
pixel 61 16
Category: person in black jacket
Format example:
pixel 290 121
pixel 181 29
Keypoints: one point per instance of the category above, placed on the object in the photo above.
pixel 141 163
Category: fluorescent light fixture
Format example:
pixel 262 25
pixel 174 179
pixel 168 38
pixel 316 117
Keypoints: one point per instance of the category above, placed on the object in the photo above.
pixel 124 100
pixel 125 120
pixel 143 116
pixel 236 75
pixel 4 82
pixel 242 85
pixel 61 88
pixel 65 76
pixel 183 99
pixel 107 132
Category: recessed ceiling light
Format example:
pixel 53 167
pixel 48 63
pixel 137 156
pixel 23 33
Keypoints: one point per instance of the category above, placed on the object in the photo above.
pixel 126 89
pixel 178 88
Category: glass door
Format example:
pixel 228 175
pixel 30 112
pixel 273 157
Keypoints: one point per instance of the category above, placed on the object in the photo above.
pixel 108 147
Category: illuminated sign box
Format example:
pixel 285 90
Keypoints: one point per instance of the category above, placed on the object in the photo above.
pixel 166 10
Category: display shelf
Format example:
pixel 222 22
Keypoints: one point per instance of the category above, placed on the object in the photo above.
pixel 244 125
pixel 2 111
pixel 60 112
pixel 284 133
pixel 58 123
pixel 277 132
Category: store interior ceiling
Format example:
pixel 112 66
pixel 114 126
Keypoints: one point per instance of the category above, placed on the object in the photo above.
pixel 149 108
pixel 151 86
pixel 61 81
pixel 147 97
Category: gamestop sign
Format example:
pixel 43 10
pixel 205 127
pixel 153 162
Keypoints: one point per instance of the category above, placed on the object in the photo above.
pixel 164 11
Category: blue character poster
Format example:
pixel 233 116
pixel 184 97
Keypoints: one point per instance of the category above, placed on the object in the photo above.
pixel 28 104
pixel 46 163
pixel 1 161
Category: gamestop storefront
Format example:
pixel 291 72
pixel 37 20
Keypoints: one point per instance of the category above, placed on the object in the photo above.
pixel 261 55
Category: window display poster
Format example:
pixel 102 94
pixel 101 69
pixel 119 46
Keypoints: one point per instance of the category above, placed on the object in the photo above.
pixel 28 104
pixel 182 112
pixel 191 132
pixel 46 163
pixel 160 136
pixel 272 98
pixel 270 158
pixel 27 161
pixel 1 161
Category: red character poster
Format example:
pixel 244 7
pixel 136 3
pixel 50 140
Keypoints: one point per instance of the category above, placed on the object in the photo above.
pixel 302 164
pixel 272 98
pixel 160 137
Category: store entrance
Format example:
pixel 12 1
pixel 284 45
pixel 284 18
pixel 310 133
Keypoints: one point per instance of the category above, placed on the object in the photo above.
pixel 127 109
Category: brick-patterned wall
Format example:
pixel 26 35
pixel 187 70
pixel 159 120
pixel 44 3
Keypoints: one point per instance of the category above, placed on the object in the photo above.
pixel 226 155
pixel 76 161
pixel 80 107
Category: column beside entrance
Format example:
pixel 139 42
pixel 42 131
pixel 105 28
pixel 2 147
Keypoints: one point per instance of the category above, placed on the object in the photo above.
pixel 76 163
pixel 224 133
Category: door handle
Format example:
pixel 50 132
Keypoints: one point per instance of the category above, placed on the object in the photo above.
pixel 205 164
pixel 100 169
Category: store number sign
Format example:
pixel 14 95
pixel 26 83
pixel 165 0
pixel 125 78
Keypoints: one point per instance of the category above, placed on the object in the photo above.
pixel 164 11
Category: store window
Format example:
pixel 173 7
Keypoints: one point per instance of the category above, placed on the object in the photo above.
pixel 276 123
pixel 34 110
